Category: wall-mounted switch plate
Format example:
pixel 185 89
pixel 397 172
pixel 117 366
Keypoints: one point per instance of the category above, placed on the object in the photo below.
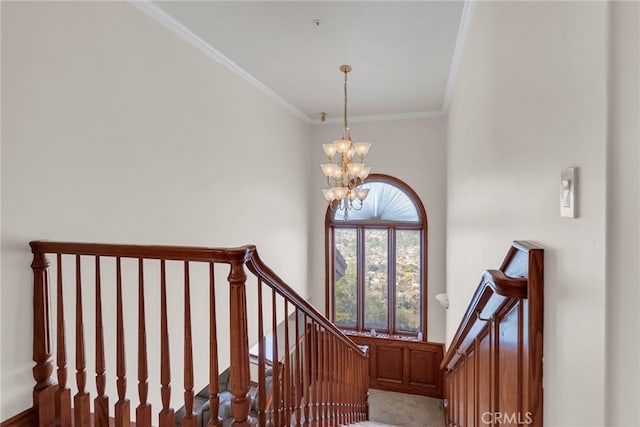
pixel 568 182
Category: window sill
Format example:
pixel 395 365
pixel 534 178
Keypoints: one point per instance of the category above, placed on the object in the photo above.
pixel 406 338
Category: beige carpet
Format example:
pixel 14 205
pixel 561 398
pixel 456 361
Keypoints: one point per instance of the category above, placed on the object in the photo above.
pixel 405 410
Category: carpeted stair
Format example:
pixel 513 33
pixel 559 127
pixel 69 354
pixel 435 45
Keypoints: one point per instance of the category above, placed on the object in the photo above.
pixel 370 424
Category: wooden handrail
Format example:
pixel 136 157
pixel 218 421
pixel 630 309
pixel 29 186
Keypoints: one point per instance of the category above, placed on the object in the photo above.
pixel 493 289
pixel 169 253
pixel 257 267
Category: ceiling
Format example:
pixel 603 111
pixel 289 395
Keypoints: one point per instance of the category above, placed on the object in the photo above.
pixel 403 54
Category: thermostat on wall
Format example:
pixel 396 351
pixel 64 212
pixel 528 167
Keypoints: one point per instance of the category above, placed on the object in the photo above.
pixel 568 192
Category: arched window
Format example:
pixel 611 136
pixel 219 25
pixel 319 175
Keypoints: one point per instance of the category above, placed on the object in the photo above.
pixel 376 261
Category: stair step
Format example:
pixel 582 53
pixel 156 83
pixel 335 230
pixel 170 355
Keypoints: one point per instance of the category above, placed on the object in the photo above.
pixel 370 424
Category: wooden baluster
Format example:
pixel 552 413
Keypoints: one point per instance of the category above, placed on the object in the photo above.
pixel 214 381
pixel 143 411
pixel 298 373
pixel 332 386
pixel 350 376
pixel 122 407
pixel 239 378
pixel 339 373
pixel 287 367
pixel 306 386
pixel 343 377
pixel 189 419
pixel 81 404
pixel 321 372
pixel 262 392
pixel 166 417
pixel 365 382
pixel 314 372
pixel 277 377
pixel 348 419
pixel 63 393
pixel 327 376
pixel 101 402
pixel 354 386
pixel 347 386
pixel 44 390
pixel 359 389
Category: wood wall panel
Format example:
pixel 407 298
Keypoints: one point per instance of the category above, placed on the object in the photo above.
pixel 389 364
pixel 421 367
pixel 509 348
pixel 494 363
pixel 471 389
pixel 403 365
pixel 484 376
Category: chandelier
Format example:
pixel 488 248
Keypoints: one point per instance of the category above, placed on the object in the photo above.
pixel 346 175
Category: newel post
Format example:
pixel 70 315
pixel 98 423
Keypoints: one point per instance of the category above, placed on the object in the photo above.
pixel 239 378
pixel 44 390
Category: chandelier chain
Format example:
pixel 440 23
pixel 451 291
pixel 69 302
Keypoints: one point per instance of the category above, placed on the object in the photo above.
pixel 345 100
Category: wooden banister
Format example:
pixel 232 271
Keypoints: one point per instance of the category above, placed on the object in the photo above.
pixel 502 327
pixel 167 253
pixel 318 375
pixel 260 269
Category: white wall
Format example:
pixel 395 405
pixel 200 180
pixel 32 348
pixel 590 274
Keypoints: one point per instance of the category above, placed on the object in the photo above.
pixel 531 99
pixel 116 130
pixel 413 151
pixel 623 216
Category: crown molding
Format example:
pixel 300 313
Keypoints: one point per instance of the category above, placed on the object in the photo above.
pixel 148 8
pixel 463 30
pixel 382 117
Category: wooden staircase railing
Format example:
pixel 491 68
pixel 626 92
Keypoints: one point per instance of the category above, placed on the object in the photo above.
pixel 319 375
pixel 493 366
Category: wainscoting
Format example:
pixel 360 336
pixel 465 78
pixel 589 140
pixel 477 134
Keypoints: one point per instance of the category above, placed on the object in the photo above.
pixel 404 365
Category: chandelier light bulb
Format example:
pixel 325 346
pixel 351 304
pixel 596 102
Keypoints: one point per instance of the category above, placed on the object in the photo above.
pixel 328 194
pixel 342 145
pixel 362 193
pixel 340 192
pixel 328 169
pixel 362 148
pixel 330 150
pixel 355 169
pixel 364 173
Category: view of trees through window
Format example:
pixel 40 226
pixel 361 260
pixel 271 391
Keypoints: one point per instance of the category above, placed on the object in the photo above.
pixel 377 274
pixel 346 281
pixel 408 280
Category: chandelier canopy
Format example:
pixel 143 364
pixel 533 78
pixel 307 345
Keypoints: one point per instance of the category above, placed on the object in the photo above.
pixel 346 175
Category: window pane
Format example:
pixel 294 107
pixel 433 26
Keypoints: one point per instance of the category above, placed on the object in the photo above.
pixel 408 280
pixel 346 285
pixel 385 202
pixel 376 278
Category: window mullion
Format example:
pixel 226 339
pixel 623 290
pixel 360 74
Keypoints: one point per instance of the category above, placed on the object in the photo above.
pixel 391 280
